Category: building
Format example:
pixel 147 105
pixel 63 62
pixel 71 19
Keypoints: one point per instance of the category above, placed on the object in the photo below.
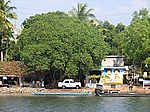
pixel 11 73
pixel 113 70
pixel 113 61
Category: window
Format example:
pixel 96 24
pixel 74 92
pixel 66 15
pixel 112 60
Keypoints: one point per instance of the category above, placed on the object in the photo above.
pixel 66 81
pixel 71 81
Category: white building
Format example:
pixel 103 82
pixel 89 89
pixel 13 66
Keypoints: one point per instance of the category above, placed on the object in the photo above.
pixel 113 61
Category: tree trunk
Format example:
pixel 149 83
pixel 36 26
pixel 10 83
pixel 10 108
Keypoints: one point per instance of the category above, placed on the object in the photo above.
pixel 6 55
pixel 2 54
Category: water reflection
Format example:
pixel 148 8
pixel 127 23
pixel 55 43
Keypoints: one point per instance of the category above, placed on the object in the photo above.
pixel 74 104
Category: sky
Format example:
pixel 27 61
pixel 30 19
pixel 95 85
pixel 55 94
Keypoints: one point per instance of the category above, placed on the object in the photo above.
pixel 114 11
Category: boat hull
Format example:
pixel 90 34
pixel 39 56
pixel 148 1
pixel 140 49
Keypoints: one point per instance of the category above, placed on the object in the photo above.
pixel 63 93
pixel 124 95
pixel 117 93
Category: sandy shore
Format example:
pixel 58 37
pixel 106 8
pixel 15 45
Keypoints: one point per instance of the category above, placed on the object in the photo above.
pixel 19 91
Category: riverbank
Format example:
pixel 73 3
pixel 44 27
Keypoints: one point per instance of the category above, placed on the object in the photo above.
pixel 22 91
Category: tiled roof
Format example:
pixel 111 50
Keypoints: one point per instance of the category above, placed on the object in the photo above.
pixel 11 68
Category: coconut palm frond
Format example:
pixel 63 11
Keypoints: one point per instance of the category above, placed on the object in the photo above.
pixel 81 12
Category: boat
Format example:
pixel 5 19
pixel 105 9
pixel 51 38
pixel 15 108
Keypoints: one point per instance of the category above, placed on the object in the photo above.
pixel 63 93
pixel 117 93
pixel 124 95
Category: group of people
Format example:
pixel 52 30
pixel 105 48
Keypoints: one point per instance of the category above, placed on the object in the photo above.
pixel 38 83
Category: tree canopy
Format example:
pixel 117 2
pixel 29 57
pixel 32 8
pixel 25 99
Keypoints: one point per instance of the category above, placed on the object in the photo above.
pixel 134 41
pixel 55 41
pixel 6 27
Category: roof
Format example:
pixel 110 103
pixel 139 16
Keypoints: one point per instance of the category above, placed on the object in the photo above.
pixel 124 67
pixel 14 68
pixel 114 56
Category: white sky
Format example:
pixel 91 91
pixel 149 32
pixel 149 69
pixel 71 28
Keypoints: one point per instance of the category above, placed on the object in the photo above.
pixel 115 11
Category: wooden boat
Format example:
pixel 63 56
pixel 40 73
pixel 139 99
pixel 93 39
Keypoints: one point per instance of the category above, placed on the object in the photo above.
pixel 63 93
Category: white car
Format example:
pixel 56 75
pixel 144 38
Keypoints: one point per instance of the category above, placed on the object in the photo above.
pixel 146 82
pixel 69 83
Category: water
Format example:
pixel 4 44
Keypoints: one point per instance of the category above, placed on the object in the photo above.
pixel 74 104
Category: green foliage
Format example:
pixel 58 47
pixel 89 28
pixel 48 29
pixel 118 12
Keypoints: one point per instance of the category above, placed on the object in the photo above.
pixel 56 41
pixel 120 27
pixel 110 32
pixel 81 12
pixel 94 76
pixel 147 60
pixel 6 28
pixel 134 41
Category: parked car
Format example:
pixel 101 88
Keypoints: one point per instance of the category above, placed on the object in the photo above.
pixel 146 82
pixel 69 83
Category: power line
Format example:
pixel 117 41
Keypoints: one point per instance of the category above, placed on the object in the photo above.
pixel 32 9
pixel 103 15
pixel 120 14
pixel 99 14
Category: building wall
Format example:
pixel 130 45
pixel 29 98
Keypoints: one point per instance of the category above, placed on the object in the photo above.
pixel 113 61
pixel 114 75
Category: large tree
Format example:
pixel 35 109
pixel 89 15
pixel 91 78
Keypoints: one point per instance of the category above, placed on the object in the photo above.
pixel 5 25
pixel 49 42
pixel 134 41
pixel 109 32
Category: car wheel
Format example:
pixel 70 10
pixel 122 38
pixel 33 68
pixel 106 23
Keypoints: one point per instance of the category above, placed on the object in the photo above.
pixel 77 87
pixel 63 87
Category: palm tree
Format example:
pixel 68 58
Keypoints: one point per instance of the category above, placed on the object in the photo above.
pixel 5 25
pixel 81 12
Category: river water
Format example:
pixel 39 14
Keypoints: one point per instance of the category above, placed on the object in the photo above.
pixel 74 104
